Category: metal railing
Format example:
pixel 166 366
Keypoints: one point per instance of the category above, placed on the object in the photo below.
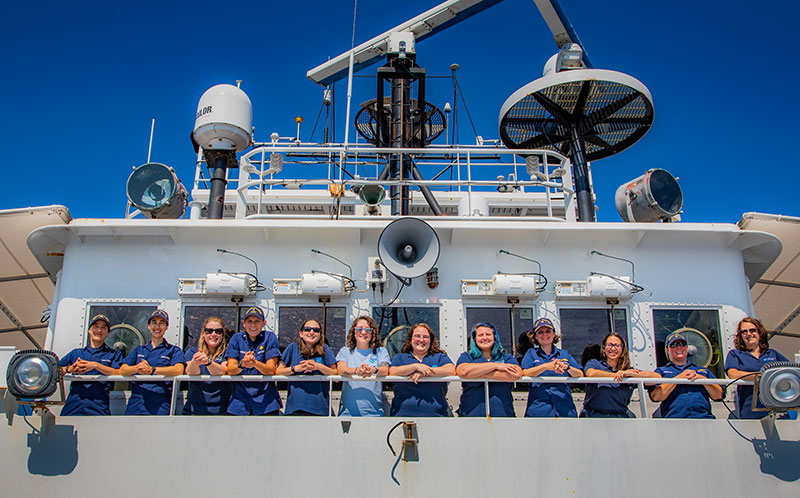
pixel 330 379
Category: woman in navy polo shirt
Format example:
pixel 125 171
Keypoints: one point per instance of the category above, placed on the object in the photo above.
pixel 751 353
pixel 545 359
pixel 611 400
pixel 309 355
pixel 91 398
pixel 208 358
pixel 157 357
pixel 486 359
pixel 419 357
pixel 253 351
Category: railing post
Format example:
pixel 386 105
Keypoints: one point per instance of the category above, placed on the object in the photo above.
pixel 330 396
pixel 642 401
pixel 486 396
pixel 175 385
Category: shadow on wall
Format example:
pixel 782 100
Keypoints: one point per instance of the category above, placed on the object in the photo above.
pixel 779 458
pixel 54 451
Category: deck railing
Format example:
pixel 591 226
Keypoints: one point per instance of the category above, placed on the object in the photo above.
pixel 639 382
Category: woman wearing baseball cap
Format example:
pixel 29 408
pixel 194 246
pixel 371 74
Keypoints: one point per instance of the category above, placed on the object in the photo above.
pixel 545 359
pixel 96 358
pixel 157 357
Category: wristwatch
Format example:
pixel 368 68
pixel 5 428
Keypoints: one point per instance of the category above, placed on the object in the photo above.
pixel 293 370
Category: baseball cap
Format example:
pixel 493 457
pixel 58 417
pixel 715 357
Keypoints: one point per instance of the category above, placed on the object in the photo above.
pixel 254 311
pixel 542 322
pixel 675 336
pixel 100 318
pixel 160 314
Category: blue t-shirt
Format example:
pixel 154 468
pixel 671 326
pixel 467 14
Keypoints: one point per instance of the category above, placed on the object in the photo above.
pixel 206 398
pixel 254 398
pixel 607 399
pixel 473 394
pixel 685 401
pixel 90 398
pixel 549 400
pixel 362 398
pixel 746 362
pixel 152 398
pixel 425 399
pixel 310 397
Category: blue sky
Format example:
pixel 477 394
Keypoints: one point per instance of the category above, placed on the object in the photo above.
pixel 82 81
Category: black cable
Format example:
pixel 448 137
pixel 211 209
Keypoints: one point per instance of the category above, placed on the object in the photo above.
pixel 395 426
pixel 725 387
pixel 634 286
pixel 311 138
pixel 464 101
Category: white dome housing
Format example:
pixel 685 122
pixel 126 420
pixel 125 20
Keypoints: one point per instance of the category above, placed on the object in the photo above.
pixel 224 119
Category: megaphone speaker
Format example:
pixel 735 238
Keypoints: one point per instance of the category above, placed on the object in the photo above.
pixel 408 247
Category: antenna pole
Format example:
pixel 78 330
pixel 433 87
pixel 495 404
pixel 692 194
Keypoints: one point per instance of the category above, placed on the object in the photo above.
pixel 150 146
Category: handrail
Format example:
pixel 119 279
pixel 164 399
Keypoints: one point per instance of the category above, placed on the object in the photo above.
pixel 639 382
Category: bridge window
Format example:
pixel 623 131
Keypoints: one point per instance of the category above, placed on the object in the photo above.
pixel 581 327
pixel 334 322
pixel 194 316
pixel 128 324
pixel 395 321
pixel 501 319
pixel 701 327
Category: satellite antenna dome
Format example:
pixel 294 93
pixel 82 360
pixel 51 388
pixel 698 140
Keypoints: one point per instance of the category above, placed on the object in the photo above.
pixel 224 119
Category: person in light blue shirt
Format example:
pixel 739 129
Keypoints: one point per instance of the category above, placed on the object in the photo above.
pixel 682 400
pixel 157 357
pixel 545 359
pixel 208 358
pixel 363 356
pixel 253 351
pixel 91 398
pixel 750 354
pixel 486 359
pixel 420 357
pixel 309 355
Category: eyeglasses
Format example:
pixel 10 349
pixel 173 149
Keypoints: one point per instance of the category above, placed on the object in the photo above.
pixel 611 345
pixel 678 344
pixel 749 331
pixel 312 329
pixel 364 329
pixel 214 331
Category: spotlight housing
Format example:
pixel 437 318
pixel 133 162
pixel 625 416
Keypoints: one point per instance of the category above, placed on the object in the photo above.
pixel 32 374
pixel 778 386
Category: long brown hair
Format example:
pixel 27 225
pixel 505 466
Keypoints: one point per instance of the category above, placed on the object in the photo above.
pixel 201 343
pixel 318 349
pixel 624 362
pixel 434 346
pixel 763 340
pixel 375 340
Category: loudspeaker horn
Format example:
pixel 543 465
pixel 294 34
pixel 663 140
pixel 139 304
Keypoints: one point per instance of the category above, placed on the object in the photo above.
pixel 408 248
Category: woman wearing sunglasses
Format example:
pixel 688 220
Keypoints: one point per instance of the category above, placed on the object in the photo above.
pixel 309 355
pixel 611 400
pixel 750 354
pixel 363 356
pixel 208 358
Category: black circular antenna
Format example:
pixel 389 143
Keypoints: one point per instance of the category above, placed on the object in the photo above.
pixel 584 114
pixel 432 121
pixel 610 111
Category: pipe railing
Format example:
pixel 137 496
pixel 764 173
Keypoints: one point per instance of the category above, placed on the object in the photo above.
pixel 639 382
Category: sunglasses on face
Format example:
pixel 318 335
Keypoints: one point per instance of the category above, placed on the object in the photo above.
pixel 312 329
pixel 749 331
pixel 213 331
pixel 678 344
pixel 364 329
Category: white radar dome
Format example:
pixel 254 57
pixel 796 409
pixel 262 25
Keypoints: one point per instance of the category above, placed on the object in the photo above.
pixel 224 119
